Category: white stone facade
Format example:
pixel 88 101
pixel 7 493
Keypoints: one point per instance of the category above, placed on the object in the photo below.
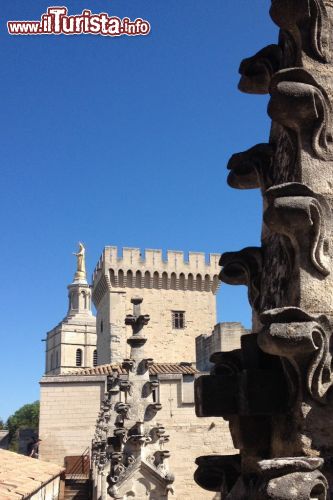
pixel 167 286
pixel 72 342
pixel 70 405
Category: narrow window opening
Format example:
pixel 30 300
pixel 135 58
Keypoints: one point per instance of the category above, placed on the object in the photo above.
pixel 178 320
pixel 78 359
pixel 95 357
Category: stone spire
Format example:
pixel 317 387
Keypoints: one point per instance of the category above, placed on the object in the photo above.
pixel 276 391
pixel 79 290
pixel 128 443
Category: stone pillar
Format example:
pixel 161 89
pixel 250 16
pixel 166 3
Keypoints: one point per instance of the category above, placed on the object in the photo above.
pixel 129 443
pixel 276 391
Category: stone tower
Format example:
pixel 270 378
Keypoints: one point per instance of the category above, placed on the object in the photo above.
pixel 180 296
pixel 276 391
pixel 129 455
pixel 72 343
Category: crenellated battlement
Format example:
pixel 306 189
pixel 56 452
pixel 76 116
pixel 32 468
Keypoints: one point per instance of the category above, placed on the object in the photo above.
pixel 151 269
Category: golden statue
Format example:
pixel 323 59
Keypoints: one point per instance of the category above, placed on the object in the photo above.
pixel 81 263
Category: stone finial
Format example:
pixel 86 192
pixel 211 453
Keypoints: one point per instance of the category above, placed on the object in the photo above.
pixel 250 169
pixel 256 71
pixel 132 441
pixel 136 320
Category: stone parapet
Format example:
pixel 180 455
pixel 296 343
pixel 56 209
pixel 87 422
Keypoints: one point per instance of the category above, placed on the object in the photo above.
pixel 134 269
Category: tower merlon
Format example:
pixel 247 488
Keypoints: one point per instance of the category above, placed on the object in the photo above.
pixel 152 260
pixel 148 269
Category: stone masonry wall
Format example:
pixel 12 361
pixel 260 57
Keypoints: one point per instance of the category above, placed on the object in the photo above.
pixel 69 409
pixel 224 338
pixel 165 343
pixel 68 412
pixel 190 437
pixel 64 340
pixel 165 285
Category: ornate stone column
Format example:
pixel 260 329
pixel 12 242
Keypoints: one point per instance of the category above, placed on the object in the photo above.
pixel 276 391
pixel 129 445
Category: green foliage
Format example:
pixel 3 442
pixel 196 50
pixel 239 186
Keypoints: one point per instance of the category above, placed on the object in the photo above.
pixel 26 417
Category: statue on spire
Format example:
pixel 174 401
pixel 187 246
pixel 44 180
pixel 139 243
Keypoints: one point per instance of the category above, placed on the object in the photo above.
pixel 81 263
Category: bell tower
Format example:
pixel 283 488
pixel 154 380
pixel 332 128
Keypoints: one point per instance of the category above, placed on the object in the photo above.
pixel 72 343
pixel 79 293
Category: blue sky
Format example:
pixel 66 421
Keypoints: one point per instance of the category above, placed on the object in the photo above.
pixel 120 141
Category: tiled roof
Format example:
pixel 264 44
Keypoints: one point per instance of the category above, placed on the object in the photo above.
pixel 21 476
pixel 155 369
pixel 99 370
pixel 183 368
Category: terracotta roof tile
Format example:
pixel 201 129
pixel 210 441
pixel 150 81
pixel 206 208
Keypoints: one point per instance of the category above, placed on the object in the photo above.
pixel 20 476
pixel 155 369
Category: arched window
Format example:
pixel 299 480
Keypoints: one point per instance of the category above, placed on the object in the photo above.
pixel 207 283
pixel 173 281
pixel 112 278
pixel 216 282
pixel 78 358
pixel 190 282
pixel 199 282
pixel 95 357
pixel 138 279
pixel 129 279
pixel 165 281
pixel 84 296
pixel 121 278
pixel 147 280
pixel 156 280
pixel 182 281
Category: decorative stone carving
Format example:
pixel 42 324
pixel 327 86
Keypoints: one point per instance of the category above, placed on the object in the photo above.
pixel 295 211
pixel 287 478
pixel 229 390
pixel 125 443
pixel 290 51
pixel 284 168
pixel 227 363
pixel 308 20
pixel 298 102
pixel 154 384
pixel 257 71
pixel 276 391
pixel 118 469
pixel 251 169
pixel 278 264
pixel 149 362
pixel 129 364
pixel 291 478
pixel 303 342
pixel 243 268
pixel 217 473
